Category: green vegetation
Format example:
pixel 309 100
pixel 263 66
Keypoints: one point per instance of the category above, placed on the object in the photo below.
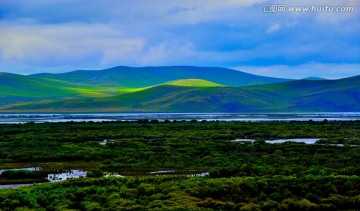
pixel 242 176
pixel 181 145
pixel 302 95
pixel 173 89
pixel 21 176
pixel 15 89
pixel 192 83
pixel 20 90
pixel 186 193
pixel 28 86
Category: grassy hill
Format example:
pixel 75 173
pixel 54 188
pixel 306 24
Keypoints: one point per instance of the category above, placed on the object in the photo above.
pixel 18 88
pixel 302 95
pixel 315 95
pixel 192 83
pixel 173 89
pixel 135 77
pixel 157 98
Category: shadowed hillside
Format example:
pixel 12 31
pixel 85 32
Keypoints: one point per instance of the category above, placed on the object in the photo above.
pixel 302 95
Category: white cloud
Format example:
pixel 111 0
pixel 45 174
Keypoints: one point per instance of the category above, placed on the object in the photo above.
pixel 60 35
pixel 169 54
pixel 328 71
pixel 176 12
pixel 273 28
pixel 66 44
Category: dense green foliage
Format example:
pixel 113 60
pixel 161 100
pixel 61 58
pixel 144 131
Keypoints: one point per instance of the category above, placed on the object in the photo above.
pixel 22 176
pixel 190 193
pixel 243 176
pixel 184 145
pixel 19 174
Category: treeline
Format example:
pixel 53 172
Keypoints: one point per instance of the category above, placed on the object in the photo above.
pixel 91 131
pixel 189 193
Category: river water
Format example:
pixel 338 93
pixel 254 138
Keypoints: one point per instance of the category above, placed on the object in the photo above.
pixel 100 117
pixel 72 174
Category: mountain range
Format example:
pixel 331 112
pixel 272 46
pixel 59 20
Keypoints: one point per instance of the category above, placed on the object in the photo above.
pixel 133 77
pixel 174 89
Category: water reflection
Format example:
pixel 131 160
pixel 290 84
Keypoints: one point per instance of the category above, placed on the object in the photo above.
pixel 66 175
pixel 14 186
pixel 298 140
pixel 19 169
pixel 52 177
pixel 162 172
pixel 71 174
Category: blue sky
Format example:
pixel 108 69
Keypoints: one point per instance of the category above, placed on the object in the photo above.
pixel 65 35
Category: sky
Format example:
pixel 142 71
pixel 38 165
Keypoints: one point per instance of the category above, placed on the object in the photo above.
pixel 253 36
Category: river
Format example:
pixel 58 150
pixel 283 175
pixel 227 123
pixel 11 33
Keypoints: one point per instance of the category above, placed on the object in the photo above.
pixel 100 117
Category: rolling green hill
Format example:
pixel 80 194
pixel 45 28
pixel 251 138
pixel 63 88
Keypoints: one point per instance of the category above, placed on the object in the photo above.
pixel 192 83
pixel 135 77
pixel 301 95
pixel 18 88
pixel 158 98
pixel 173 89
pixel 315 95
